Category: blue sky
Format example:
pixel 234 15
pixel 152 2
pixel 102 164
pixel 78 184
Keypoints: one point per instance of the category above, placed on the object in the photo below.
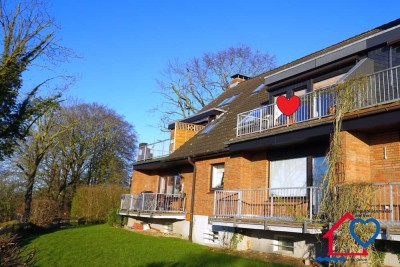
pixel 125 44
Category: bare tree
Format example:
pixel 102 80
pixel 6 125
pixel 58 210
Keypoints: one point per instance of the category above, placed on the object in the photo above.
pixel 42 137
pixel 28 39
pixel 96 149
pixel 188 87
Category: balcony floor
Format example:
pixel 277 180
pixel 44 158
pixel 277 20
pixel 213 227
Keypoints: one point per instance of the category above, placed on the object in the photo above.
pixel 295 226
pixel 155 214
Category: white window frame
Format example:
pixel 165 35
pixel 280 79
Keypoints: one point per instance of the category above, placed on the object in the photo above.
pixel 283 175
pixel 217 170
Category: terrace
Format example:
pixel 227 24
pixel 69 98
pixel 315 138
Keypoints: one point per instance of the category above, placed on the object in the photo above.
pixel 153 205
pixel 180 133
pixel 375 89
pixel 294 209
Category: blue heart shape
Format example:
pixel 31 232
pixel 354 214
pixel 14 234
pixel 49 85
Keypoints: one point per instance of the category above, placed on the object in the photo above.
pixel 357 239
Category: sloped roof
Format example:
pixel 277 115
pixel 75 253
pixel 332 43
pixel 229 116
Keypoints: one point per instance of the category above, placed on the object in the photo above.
pixel 215 141
pixel 224 129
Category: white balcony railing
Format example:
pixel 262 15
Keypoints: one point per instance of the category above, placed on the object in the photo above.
pixel 279 203
pixel 378 88
pixel 298 203
pixel 155 150
pixel 153 202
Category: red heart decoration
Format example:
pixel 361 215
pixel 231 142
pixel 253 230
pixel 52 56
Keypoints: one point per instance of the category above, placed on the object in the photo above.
pixel 288 106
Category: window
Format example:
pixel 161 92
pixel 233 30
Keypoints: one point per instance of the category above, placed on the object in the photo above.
pixel 288 173
pixel 279 117
pixel 217 176
pixel 303 112
pixel 298 173
pixel 258 89
pixel 170 185
pixel 227 100
pixel 320 167
pixel 284 244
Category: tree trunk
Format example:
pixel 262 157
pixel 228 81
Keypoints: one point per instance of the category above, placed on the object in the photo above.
pixel 28 198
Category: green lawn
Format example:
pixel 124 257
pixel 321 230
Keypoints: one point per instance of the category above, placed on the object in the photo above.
pixel 102 245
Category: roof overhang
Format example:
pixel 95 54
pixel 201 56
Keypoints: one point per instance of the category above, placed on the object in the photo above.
pixel 158 165
pixel 386 36
pixel 199 117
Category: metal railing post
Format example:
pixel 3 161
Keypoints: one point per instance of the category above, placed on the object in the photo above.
pixel 311 203
pixel 237 125
pixel 143 196
pixel 391 202
pixel 215 203
pixel 272 206
pixel 131 202
pixel 239 211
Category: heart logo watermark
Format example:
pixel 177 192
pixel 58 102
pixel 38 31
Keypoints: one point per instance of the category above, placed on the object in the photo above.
pixel 288 106
pixel 365 222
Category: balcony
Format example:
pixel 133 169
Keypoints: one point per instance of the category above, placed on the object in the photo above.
pixel 153 205
pixel 378 88
pixel 287 209
pixel 155 150
pixel 180 134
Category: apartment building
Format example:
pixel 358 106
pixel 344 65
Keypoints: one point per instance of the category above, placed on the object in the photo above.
pixel 242 166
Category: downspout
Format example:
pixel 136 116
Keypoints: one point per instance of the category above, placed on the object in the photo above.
pixel 192 200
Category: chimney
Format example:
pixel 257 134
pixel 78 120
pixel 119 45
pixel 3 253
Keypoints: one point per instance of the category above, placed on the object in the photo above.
pixel 236 79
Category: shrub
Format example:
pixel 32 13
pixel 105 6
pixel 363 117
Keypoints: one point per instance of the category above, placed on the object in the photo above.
pixel 43 212
pixel 113 217
pixel 11 254
pixel 95 202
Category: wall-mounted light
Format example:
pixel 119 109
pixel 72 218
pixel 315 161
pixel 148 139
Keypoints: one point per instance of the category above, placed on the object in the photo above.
pixel 384 153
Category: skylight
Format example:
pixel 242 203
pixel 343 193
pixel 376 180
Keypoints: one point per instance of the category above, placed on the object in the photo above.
pixel 227 100
pixel 209 127
pixel 258 89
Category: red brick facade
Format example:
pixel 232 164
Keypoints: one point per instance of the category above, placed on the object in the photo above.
pixel 367 157
pixel 372 157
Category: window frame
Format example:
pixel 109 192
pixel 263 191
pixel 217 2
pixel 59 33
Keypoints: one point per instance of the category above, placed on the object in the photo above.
pixel 212 176
pixel 168 178
pixel 278 247
pixel 310 165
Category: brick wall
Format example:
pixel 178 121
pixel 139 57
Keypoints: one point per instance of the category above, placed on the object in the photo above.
pixel 204 197
pixel 241 171
pixel 385 169
pixel 144 181
pixel 356 157
pixel 364 156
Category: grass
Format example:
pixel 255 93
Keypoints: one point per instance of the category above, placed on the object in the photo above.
pixel 102 245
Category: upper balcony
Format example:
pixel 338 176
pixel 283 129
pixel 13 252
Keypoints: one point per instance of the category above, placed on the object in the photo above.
pixel 378 88
pixel 180 133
